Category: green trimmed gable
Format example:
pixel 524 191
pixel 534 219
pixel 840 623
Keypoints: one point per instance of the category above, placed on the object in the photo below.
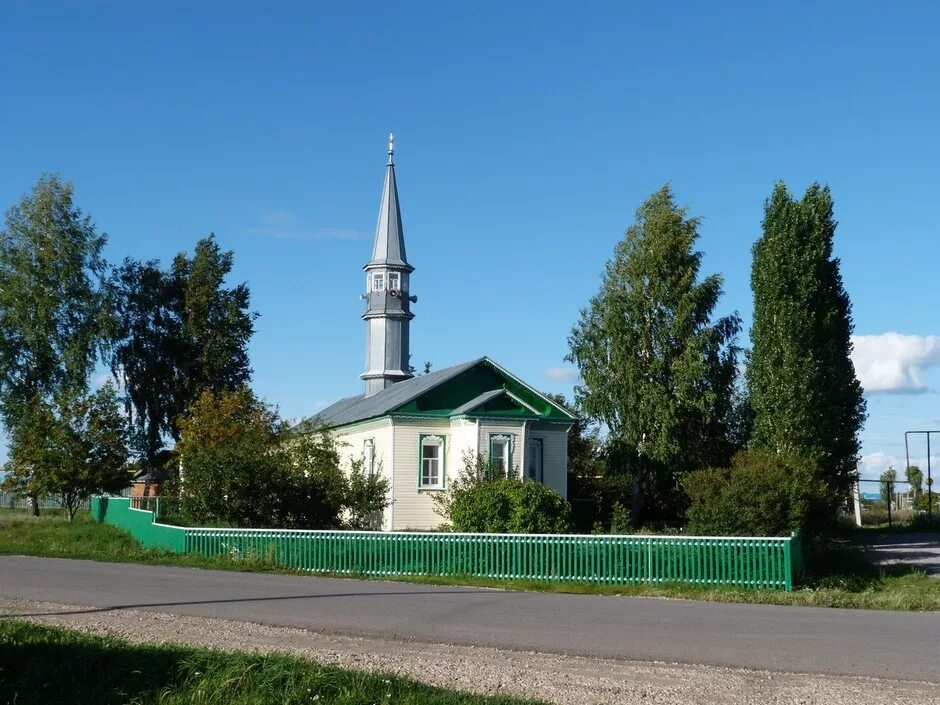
pixel 501 396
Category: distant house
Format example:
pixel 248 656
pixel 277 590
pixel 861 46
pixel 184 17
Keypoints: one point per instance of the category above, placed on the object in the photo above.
pixel 415 430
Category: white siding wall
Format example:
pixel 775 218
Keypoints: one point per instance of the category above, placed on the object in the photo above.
pixel 353 438
pixel 411 507
pixel 554 454
pixel 463 439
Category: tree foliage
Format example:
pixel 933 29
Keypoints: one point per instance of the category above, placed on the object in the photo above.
pixel 53 303
pixel 54 315
pixel 915 478
pixel 806 398
pixel 366 497
pixel 182 331
pixel 888 479
pixel 72 449
pixel 216 322
pixel 760 494
pixel 231 468
pixel 485 498
pixel 147 354
pixel 656 369
pixel 241 467
pixel 314 488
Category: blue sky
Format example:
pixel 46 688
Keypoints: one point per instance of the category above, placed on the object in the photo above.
pixel 527 135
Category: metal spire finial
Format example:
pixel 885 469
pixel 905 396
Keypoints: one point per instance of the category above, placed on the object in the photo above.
pixel 391 147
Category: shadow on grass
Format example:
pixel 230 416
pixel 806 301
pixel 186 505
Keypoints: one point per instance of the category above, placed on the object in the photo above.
pixel 52 666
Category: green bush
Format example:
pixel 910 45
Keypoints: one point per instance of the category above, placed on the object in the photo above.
pixel 366 497
pixel 480 500
pixel 620 520
pixel 486 507
pixel 230 475
pixel 759 495
pixel 312 488
pixel 509 506
pixel 537 509
pixel 241 467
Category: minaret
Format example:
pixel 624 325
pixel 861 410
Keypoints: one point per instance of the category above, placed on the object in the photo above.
pixel 388 307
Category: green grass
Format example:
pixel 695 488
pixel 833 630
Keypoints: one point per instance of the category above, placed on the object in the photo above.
pixel 53 536
pixel 841 576
pixel 48 665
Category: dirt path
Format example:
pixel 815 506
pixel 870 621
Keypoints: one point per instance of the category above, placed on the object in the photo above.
pixel 571 680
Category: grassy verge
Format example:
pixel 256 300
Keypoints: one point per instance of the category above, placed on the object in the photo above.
pixel 842 577
pixel 51 665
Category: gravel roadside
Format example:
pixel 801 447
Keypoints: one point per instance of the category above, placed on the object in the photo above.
pixel 572 680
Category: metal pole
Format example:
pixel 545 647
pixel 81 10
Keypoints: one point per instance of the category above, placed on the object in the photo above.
pixel 929 481
pixel 907 452
pixel 890 500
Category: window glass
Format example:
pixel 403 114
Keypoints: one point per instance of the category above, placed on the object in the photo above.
pixel 431 463
pixel 534 460
pixel 499 454
pixel 378 282
pixel 393 280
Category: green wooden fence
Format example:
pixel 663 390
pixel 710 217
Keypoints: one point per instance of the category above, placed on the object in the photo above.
pixel 768 563
pixel 138 523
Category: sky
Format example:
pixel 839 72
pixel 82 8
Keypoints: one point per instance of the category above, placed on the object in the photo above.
pixel 527 135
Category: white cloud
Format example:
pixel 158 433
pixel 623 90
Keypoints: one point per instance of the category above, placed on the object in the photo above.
pixel 873 464
pixel 894 363
pixel 283 224
pixel 561 374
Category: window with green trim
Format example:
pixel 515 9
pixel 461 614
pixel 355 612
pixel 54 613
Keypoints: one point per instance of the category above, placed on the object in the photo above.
pixel 501 451
pixel 431 462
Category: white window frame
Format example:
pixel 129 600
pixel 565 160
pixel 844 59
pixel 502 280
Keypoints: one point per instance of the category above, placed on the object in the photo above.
pixel 504 440
pixel 368 456
pixel 378 281
pixel 396 286
pixel 431 441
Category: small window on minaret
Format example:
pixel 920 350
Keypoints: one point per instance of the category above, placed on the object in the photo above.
pixel 394 281
pixel 378 282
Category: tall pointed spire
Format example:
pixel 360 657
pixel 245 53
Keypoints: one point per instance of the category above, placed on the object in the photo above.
pixel 388 293
pixel 389 248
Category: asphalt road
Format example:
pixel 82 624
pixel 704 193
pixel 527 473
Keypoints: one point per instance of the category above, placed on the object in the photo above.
pixel 898 645
pixel 921 550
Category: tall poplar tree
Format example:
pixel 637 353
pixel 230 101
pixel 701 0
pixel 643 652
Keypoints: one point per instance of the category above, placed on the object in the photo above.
pixel 805 396
pixel 216 322
pixel 656 369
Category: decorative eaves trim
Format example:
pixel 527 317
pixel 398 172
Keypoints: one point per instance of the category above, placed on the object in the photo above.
pixel 531 389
